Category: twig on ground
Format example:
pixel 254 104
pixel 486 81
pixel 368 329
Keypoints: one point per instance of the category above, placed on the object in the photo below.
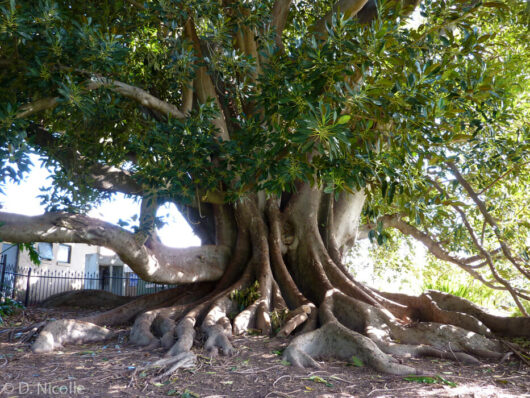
pixel 389 390
pixel 282 394
pixel 281 377
pixel 515 349
pixel 253 370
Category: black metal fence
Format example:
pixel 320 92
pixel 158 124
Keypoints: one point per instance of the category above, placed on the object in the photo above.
pixel 33 285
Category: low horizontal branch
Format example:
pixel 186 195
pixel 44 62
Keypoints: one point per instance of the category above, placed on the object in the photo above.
pixel 152 261
pixel 395 221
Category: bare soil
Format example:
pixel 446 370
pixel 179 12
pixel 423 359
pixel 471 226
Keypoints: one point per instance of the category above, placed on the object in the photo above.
pixel 112 369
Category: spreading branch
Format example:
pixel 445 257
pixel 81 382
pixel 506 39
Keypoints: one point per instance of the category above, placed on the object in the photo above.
pixel 103 177
pixel 152 261
pixel 280 11
pixel 487 216
pixel 395 221
pixel 135 93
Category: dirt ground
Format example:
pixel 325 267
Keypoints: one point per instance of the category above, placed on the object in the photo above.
pixel 113 369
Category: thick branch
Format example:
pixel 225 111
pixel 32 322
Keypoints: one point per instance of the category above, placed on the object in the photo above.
pixel 346 213
pixel 202 84
pixel 135 93
pixel 148 209
pixel 100 176
pixel 394 221
pixel 280 11
pixel 37 106
pixel 152 262
pixel 348 8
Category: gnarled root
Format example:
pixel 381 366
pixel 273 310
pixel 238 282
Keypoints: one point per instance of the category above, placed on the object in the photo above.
pixel 90 328
pixel 353 328
pixel 294 271
pixel 169 365
pixel 218 328
pixel 507 326
pixel 67 331
pixel 297 317
pixel 336 341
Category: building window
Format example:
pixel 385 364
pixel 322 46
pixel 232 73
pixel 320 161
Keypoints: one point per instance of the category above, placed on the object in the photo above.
pixel 45 250
pixel 64 253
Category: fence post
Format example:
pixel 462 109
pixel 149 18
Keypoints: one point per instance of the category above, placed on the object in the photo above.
pixel 15 277
pixel 2 278
pixel 28 286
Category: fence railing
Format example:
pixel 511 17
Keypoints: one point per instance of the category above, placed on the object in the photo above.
pixel 33 285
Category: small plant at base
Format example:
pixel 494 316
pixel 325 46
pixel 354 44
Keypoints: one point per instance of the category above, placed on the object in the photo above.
pixel 243 298
pixel 278 319
pixel 8 306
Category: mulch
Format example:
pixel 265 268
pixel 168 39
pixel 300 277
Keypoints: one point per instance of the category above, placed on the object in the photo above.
pixel 113 369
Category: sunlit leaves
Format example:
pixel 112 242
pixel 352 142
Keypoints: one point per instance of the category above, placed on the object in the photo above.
pixel 380 106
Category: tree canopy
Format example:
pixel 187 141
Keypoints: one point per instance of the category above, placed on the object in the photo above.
pixel 422 109
pixel 410 112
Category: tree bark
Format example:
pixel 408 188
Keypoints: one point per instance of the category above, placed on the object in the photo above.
pixel 272 262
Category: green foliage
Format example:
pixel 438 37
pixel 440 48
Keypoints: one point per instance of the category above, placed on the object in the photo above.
pixel 435 276
pixel 356 361
pixel 8 306
pixel 278 319
pixel 430 380
pixel 33 254
pixel 423 90
pixel 243 298
pixel 382 107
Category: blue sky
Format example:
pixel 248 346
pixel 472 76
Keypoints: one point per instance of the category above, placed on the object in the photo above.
pixel 22 199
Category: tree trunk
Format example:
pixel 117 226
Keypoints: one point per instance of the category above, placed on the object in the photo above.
pixel 284 275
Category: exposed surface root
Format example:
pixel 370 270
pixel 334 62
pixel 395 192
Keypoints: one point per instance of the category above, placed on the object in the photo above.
pixel 350 318
pixel 283 276
pixel 507 326
pixel 441 307
pixel 89 298
pixel 335 341
pixel 185 333
pixel 296 318
pixel 167 366
pixel 218 328
pixel 141 330
pixel 246 319
pixel 441 340
pixel 449 338
pixel 67 331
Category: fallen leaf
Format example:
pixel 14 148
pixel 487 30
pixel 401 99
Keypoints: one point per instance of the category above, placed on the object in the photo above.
pixel 318 379
pixel 357 362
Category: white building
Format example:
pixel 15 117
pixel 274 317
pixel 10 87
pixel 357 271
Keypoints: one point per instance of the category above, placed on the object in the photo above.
pixel 65 267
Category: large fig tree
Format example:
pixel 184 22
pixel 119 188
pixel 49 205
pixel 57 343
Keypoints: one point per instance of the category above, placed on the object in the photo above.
pixel 285 131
